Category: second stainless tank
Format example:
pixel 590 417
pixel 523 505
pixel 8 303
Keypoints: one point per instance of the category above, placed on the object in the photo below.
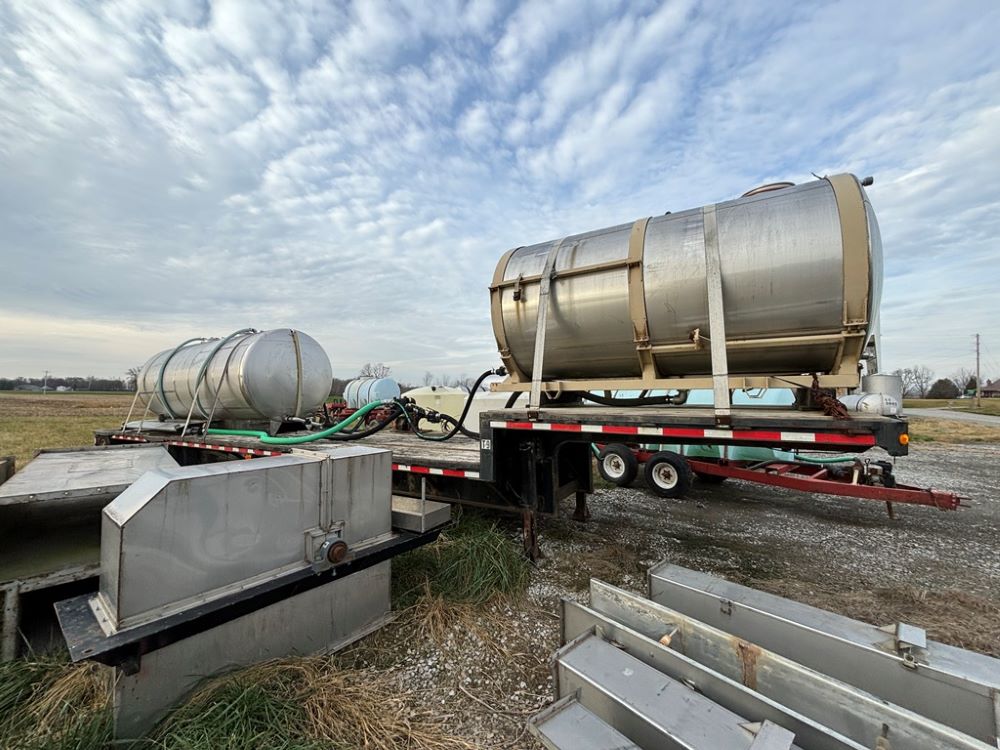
pixel 801 277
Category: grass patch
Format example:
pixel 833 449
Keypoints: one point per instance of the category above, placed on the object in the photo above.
pixel 30 421
pixel 473 562
pixel 927 430
pixel 990 406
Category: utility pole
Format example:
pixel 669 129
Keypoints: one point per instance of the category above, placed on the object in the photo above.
pixel 45 382
pixel 979 384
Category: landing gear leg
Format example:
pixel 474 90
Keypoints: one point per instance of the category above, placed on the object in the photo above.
pixel 529 535
pixel 582 512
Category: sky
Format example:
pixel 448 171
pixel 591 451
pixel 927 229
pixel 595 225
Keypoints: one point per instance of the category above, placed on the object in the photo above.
pixel 173 168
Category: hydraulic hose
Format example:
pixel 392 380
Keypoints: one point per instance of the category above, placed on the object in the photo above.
pixel 458 423
pixel 829 460
pixel 300 439
pixel 677 400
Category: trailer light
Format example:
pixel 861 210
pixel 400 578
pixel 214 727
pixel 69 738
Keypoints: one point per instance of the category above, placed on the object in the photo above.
pixel 904 439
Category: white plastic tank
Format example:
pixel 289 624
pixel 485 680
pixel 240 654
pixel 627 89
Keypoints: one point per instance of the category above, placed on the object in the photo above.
pixel 362 391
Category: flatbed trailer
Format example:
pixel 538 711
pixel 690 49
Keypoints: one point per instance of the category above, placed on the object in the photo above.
pixel 530 460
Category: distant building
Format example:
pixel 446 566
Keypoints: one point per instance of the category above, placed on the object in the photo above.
pixel 28 387
pixel 992 389
pixel 63 389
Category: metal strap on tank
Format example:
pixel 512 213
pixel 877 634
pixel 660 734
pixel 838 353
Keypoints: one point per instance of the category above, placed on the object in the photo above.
pixel 637 299
pixel 857 271
pixel 716 312
pixel 540 324
pixel 298 372
pixel 496 313
pixel 159 377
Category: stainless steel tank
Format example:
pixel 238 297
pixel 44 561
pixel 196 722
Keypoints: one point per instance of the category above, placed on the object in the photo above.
pixel 362 391
pixel 268 375
pixel 801 278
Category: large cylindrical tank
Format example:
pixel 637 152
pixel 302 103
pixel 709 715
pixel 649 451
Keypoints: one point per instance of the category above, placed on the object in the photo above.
pixel 362 391
pixel 801 278
pixel 256 376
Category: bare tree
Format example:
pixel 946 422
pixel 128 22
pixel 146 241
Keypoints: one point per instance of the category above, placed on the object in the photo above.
pixel 463 381
pixel 131 377
pixel 964 379
pixel 428 378
pixel 916 380
pixel 374 370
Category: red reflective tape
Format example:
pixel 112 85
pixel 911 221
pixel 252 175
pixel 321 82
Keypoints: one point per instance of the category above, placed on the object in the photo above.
pixel 619 429
pixel 683 432
pixel 520 426
pixel 752 435
pixel 452 473
pixel 832 437
pixel 566 427
pixel 420 470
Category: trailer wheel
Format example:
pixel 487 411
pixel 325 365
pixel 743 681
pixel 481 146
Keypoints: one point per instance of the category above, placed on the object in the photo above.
pixel 618 465
pixel 668 475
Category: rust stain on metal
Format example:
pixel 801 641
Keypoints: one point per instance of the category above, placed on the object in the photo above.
pixel 748 654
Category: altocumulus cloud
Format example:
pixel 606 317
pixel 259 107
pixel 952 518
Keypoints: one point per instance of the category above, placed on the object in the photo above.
pixel 173 168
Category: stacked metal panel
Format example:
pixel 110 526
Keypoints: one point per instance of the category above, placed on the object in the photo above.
pixel 705 664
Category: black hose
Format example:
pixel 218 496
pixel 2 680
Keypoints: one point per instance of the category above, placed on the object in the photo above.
pixel 457 423
pixel 511 400
pixel 677 400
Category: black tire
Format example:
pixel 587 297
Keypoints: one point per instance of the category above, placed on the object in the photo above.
pixel 667 474
pixel 710 478
pixel 618 465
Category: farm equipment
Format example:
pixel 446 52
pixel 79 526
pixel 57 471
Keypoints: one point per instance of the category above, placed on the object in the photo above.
pixel 209 560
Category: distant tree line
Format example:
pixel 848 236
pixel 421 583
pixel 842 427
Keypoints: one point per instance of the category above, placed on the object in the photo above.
pixel 89 383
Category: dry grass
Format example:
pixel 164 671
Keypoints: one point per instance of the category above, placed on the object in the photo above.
pixel 927 430
pixel 31 421
pixel 954 617
pixel 345 708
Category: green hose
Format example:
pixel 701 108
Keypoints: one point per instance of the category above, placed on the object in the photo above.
pixel 299 439
pixel 837 460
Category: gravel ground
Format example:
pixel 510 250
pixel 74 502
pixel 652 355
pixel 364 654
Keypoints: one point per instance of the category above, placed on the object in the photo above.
pixel 489 669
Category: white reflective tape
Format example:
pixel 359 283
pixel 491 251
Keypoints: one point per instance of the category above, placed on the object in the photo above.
pixel 723 434
pixel 501 425
pixel 592 428
pixel 541 426
pixel 658 431
pixel 799 437
pixel 472 475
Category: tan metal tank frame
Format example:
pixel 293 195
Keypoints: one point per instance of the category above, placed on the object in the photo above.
pixel 854 236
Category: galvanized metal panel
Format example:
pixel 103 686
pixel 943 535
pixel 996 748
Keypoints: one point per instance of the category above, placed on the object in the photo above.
pixel 649 708
pixel 322 619
pixel 842 709
pixel 567 725
pixel 414 514
pixel 955 687
pixel 578 620
pixel 94 473
pixel 360 489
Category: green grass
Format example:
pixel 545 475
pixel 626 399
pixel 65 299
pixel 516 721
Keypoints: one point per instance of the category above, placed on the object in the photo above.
pixel 472 563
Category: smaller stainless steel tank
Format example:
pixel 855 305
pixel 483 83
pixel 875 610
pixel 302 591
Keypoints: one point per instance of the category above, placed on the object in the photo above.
pixel 255 376
pixel 891 385
pixel 362 391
